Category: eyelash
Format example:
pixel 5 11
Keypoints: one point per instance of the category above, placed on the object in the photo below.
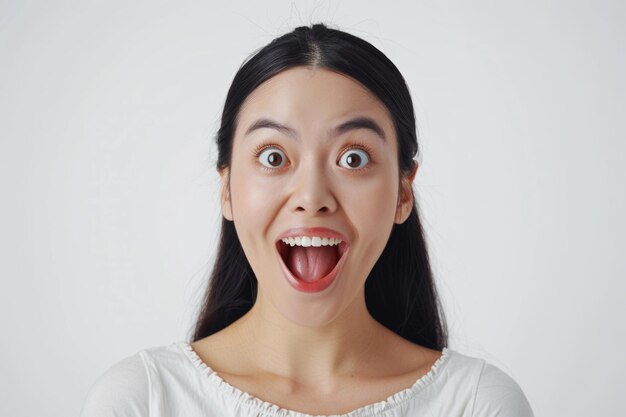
pixel 257 152
pixel 355 145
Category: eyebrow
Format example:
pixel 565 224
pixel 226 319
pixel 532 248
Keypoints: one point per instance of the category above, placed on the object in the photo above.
pixel 352 124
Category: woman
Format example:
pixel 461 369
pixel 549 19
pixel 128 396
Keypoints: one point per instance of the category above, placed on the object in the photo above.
pixel 321 300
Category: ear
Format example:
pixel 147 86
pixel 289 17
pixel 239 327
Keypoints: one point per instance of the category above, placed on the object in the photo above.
pixel 405 196
pixel 227 209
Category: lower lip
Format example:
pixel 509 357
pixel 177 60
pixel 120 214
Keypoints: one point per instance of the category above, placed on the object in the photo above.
pixel 315 286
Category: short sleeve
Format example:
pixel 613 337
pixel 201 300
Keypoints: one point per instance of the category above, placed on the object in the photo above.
pixel 121 391
pixel 498 395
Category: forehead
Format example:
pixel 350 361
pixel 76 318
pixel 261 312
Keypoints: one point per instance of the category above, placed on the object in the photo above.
pixel 311 100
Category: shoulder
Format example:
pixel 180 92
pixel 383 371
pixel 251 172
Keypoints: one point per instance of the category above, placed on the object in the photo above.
pixel 497 394
pixel 122 390
pixel 481 387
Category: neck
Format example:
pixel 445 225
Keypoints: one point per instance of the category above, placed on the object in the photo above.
pixel 309 354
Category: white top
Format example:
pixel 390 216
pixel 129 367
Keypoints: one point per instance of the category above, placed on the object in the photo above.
pixel 172 381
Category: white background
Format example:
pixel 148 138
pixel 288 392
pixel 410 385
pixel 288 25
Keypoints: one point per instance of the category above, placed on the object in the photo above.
pixel 109 213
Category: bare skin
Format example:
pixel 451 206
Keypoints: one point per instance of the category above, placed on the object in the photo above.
pixel 317 353
pixel 390 366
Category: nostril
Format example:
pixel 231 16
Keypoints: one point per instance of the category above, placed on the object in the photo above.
pixel 324 209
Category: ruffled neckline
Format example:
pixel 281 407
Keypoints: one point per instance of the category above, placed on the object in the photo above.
pixel 257 405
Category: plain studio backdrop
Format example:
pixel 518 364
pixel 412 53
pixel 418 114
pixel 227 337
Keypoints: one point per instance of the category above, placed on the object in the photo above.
pixel 109 214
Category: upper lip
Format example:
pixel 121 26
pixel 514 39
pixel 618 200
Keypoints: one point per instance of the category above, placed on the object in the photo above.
pixel 312 231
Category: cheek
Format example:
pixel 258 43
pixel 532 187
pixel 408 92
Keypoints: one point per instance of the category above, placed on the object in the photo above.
pixel 371 207
pixel 373 198
pixel 254 202
pixel 382 205
pixel 251 198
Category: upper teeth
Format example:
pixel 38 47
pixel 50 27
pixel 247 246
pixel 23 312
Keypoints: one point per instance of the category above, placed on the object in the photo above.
pixel 310 241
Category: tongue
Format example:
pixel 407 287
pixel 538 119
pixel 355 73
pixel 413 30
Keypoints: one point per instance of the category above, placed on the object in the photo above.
pixel 312 263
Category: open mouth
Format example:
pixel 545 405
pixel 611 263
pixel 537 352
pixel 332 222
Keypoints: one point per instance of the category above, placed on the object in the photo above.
pixel 311 263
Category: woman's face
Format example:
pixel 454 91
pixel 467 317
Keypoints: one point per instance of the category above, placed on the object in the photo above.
pixel 310 174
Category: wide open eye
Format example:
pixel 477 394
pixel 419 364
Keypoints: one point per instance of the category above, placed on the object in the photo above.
pixel 272 158
pixel 354 158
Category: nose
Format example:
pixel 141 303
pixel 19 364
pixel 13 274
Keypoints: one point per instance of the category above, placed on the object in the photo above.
pixel 312 192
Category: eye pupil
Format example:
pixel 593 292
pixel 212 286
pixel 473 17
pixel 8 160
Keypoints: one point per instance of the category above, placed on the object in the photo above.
pixel 353 160
pixel 274 159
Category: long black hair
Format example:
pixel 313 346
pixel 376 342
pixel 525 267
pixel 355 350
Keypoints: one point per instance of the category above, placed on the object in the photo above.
pixel 400 292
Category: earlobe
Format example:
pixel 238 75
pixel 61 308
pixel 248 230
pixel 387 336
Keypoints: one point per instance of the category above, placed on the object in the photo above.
pixel 227 210
pixel 404 209
pixel 414 171
pixel 405 200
